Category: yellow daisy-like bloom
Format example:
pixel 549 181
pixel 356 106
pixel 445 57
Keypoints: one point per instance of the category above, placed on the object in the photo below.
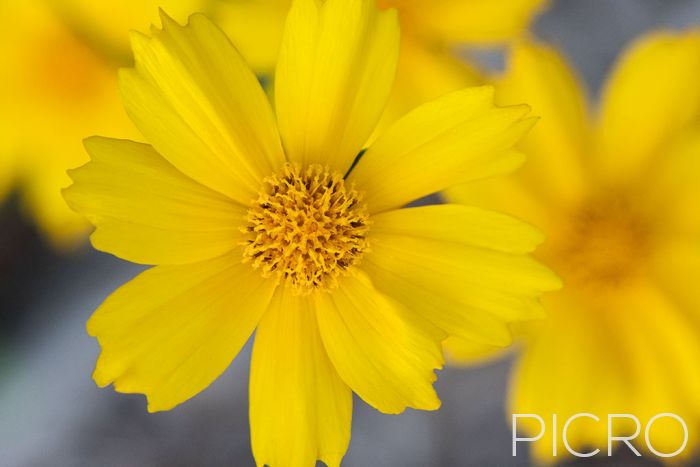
pixel 57 83
pixel 431 30
pixel 269 222
pixel 618 200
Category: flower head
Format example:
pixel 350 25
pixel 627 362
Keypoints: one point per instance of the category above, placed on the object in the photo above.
pixel 618 200
pixel 271 222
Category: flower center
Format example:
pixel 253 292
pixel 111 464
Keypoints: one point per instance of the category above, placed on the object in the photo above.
pixel 604 243
pixel 306 228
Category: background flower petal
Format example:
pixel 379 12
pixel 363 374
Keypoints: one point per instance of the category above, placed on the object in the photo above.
pixel 558 146
pixel 650 97
pixel 479 21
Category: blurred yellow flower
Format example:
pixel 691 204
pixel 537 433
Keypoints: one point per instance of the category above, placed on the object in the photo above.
pixel 57 84
pixel 54 88
pixel 431 31
pixel 269 222
pixel 618 200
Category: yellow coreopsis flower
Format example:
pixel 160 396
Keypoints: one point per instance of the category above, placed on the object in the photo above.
pixel 618 200
pixel 431 31
pixel 57 80
pixel 271 222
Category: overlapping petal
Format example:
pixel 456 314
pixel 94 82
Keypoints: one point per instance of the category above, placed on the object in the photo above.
pixel 381 349
pixel 448 264
pixel 458 138
pixel 146 211
pixel 174 329
pixel 300 409
pixel 334 74
pixel 196 101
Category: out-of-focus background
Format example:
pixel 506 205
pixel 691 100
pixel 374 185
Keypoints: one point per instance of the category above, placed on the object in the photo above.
pixel 52 414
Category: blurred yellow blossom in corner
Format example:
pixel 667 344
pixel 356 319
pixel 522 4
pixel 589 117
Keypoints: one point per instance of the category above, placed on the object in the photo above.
pixel 57 84
pixel 618 198
pixel 431 33
pixel 267 222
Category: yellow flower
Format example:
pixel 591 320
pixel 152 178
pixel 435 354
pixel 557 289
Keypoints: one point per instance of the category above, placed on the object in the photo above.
pixel 57 84
pixel 258 221
pixel 431 31
pixel 618 199
pixel 51 84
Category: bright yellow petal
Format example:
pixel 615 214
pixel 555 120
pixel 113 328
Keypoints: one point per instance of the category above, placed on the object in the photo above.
pixel 300 409
pixel 174 329
pixel 559 143
pixel 651 96
pixel 255 28
pixel 334 74
pixel 455 139
pixel 146 211
pixel 478 21
pixel 383 351
pixel 444 262
pixel 199 105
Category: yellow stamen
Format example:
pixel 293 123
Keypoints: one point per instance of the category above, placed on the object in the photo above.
pixel 306 227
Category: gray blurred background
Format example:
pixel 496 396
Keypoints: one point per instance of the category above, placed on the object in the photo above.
pixel 52 414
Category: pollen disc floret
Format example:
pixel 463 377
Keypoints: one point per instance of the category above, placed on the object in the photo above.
pixel 306 227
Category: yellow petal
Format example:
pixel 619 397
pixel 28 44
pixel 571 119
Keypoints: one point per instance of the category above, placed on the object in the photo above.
pixel 455 139
pixel 460 224
pixel 564 358
pixel 559 142
pixel 174 329
pixel 300 409
pixel 383 351
pixel 675 264
pixel 335 71
pixel 199 105
pixel 479 21
pixel 651 96
pixel 671 185
pixel 664 343
pixel 146 211
pixel 470 287
pixel 255 27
